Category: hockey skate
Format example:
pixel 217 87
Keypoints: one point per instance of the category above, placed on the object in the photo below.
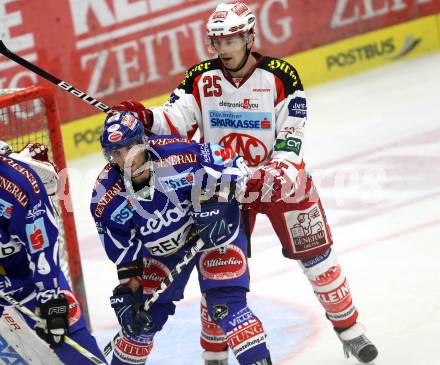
pixel 215 358
pixel 225 362
pixel 221 358
pixel 355 343
pixel 216 362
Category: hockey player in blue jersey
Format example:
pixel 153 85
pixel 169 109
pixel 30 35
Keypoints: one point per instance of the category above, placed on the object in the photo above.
pixel 151 203
pixel 29 262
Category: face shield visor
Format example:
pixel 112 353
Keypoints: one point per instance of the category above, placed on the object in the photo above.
pixel 227 44
pixel 119 154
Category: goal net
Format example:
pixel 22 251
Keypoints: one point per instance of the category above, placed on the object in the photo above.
pixel 30 115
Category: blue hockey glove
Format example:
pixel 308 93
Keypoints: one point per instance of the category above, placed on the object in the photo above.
pixel 216 227
pixel 53 307
pixel 128 308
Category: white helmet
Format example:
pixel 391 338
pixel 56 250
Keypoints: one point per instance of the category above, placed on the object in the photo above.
pixel 229 19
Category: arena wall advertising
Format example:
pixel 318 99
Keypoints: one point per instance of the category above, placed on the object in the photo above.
pixel 125 49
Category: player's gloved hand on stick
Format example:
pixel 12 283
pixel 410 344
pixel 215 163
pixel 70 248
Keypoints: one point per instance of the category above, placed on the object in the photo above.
pixel 53 308
pixel 142 113
pixel 128 307
pixel 212 224
pixel 275 181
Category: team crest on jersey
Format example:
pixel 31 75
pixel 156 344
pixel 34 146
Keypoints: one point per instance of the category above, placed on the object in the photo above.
pixel 5 209
pixel 37 235
pixel 252 149
pixel 171 183
pixel 122 213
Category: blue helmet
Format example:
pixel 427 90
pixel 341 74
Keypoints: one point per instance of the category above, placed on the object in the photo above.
pixel 120 130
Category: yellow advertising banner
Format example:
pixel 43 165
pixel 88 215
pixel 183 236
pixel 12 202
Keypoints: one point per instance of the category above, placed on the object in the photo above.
pixel 360 53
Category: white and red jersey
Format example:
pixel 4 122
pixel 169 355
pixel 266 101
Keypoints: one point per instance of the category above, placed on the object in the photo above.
pixel 260 117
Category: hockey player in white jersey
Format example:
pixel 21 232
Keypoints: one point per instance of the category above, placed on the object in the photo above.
pixel 256 105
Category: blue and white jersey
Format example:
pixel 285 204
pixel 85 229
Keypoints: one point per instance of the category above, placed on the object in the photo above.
pixel 28 231
pixel 158 220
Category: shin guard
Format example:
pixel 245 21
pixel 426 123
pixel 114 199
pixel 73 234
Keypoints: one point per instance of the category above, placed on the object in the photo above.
pixel 212 338
pixel 331 288
pixel 132 351
pixel 244 332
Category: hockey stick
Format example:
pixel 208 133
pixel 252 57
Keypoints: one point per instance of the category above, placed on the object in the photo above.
pixel 20 307
pixel 164 285
pixel 49 77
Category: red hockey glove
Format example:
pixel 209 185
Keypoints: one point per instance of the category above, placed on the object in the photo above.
pixel 143 114
pixel 271 183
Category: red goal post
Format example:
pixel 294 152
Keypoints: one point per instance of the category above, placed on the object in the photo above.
pixel 30 115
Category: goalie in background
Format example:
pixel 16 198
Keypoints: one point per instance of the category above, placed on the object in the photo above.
pixel 151 204
pixel 29 261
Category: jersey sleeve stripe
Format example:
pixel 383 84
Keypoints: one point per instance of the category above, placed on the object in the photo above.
pixel 173 129
pixel 196 92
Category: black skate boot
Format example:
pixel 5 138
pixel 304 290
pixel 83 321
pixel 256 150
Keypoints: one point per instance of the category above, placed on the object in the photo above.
pixel 215 358
pixel 357 344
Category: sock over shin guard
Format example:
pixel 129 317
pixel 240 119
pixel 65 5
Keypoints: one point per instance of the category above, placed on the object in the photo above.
pixel 331 288
pixel 212 338
pixel 244 332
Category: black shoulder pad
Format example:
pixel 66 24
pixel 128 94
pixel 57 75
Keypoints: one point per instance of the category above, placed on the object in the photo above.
pixel 284 71
pixel 188 82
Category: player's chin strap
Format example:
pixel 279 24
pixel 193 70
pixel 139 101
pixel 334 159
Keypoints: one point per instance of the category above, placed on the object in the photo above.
pixel 20 307
pixel 164 285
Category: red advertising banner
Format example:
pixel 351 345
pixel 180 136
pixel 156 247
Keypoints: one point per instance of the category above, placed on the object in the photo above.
pixel 119 49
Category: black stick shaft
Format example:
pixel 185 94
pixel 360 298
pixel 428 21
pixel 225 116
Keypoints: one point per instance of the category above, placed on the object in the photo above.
pixel 49 77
